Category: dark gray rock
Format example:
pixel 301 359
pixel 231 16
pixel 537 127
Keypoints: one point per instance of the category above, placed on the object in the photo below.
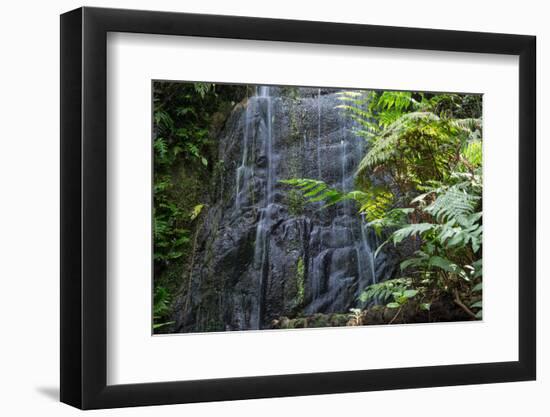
pixel 261 254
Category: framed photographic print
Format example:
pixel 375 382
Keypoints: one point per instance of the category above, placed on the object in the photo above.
pixel 256 208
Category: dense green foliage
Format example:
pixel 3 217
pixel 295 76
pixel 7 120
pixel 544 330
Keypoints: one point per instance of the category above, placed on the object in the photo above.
pixel 179 129
pixel 184 115
pixel 420 186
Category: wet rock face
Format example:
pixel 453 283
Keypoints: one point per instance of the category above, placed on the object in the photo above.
pixel 262 252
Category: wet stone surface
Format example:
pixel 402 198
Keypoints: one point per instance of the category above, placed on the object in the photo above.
pixel 262 254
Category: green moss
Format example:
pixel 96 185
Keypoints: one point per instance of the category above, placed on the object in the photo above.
pixel 339 320
pixel 319 320
pixel 300 323
pixel 300 271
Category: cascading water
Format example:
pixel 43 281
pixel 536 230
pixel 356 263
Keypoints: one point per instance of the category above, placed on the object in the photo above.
pixel 366 248
pixel 344 259
pixel 343 160
pixel 261 251
pixel 318 262
pixel 319 175
pixel 265 254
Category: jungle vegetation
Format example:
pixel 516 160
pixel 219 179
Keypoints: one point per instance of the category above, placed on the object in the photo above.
pixel 420 183
pixel 186 117
pixel 419 186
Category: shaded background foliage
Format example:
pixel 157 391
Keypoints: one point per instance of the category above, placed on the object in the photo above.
pixel 186 118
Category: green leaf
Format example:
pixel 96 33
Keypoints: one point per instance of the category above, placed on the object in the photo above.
pixel 159 325
pixel 477 287
pixel 393 305
pixel 479 314
pixel 478 266
pixel 196 211
pixel 411 262
pixel 410 293
pixel 402 300
pixel 444 264
pixel 477 304
pixel 411 230
pixel 204 161
pixel 425 306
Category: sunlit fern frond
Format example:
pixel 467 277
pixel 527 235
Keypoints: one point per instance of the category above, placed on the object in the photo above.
pixel 472 153
pixel 385 145
pixel 455 203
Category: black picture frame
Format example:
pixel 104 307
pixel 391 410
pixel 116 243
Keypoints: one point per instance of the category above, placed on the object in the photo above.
pixel 84 207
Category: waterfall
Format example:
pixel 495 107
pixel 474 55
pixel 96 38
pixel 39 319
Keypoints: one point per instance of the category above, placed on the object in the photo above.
pixel 264 92
pixel 318 262
pixel 343 160
pixel 256 237
pixel 368 237
pixel 343 256
pixel 261 249
pixel 346 173
pixel 345 203
pixel 364 253
pixel 368 256
pixel 319 174
pixel 261 265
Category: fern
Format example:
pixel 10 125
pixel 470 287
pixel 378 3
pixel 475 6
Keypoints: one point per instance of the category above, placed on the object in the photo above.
pixel 467 233
pixel 392 142
pixel 356 105
pixel 392 219
pixel 316 190
pixel 161 307
pixel 427 144
pixel 203 88
pixel 163 119
pixel 374 110
pixel 472 153
pixel 383 291
pixel 374 202
pixel 398 100
pixel 161 149
pixel 411 230
pixel 454 203
pixel 470 125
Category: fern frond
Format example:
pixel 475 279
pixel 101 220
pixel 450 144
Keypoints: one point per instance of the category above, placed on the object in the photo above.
pixel 374 202
pixel 315 190
pixel 385 146
pixel 469 125
pixel 455 203
pixel 411 230
pixel 472 153
pixel 383 291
